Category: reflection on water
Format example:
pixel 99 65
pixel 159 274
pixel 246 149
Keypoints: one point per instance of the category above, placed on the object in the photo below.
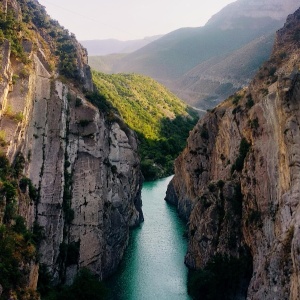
pixel 153 266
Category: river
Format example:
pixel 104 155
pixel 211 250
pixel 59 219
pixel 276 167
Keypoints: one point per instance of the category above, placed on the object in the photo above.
pixel 153 267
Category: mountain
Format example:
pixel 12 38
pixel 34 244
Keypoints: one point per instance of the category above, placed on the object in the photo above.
pixel 208 83
pixel 179 59
pixel 70 176
pixel 237 184
pixel 105 63
pixel 112 46
pixel 161 121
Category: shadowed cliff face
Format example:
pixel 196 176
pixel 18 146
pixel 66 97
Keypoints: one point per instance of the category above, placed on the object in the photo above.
pixel 237 180
pixel 84 166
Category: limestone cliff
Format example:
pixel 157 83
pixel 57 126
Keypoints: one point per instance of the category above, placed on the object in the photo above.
pixel 237 181
pixel 82 161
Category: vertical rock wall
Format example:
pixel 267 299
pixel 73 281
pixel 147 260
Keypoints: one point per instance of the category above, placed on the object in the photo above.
pixel 237 182
pixel 84 166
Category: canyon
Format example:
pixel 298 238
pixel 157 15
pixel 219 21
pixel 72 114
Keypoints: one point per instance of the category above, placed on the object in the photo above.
pixel 70 169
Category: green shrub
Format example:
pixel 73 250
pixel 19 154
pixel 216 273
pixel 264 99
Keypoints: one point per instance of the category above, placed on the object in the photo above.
pixel 44 283
pixel 3 142
pixel 19 117
pixel 237 200
pixel 114 169
pixel 249 102
pixel 18 165
pixel 78 102
pixel 236 98
pixel 84 123
pixel 10 190
pixel 19 226
pixel 73 253
pixel 4 166
pixel 38 233
pixel 149 170
pixel 272 71
pixel 254 218
pixel 212 187
pixel 85 286
pixel 236 110
pixel 254 123
pixel 264 91
pixel 222 278
pixel 10 212
pixel 69 215
pixel 282 55
pixel 204 133
pixel 25 183
pixel 16 250
pixel 243 150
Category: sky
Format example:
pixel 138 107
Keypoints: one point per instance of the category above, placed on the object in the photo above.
pixel 130 19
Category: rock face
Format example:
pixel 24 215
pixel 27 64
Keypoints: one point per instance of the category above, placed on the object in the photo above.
pixel 237 181
pixel 83 164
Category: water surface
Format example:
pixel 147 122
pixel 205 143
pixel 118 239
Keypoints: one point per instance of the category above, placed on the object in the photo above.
pixel 153 266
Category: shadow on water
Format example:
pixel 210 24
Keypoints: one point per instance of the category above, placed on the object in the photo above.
pixel 153 265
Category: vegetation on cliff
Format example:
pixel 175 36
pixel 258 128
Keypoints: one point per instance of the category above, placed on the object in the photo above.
pixel 17 243
pixel 33 46
pixel 85 286
pixel 221 278
pixel 160 119
pixel 59 46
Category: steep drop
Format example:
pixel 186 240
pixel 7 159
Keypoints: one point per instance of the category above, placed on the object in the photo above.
pixel 83 165
pixel 237 181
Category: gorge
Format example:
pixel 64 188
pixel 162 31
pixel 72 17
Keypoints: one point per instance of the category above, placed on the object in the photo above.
pixel 72 153
pixel 153 265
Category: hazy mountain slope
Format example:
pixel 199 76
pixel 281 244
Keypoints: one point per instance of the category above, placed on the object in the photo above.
pixel 235 12
pixel 111 46
pixel 105 63
pixel 206 84
pixel 161 120
pixel 178 52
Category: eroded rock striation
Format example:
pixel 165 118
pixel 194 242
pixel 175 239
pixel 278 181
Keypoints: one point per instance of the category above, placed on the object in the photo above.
pixel 82 160
pixel 237 181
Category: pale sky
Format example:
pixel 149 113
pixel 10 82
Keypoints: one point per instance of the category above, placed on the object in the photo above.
pixel 130 19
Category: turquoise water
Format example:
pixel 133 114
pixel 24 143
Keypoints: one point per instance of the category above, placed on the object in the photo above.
pixel 153 266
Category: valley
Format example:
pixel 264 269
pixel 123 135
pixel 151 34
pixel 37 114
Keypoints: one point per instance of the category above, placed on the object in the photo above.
pixel 112 187
pixel 161 120
pixel 205 65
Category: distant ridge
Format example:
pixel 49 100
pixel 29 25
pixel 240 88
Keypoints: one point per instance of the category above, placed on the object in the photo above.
pixel 198 64
pixel 112 46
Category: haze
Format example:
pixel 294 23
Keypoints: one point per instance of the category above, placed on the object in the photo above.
pixel 130 19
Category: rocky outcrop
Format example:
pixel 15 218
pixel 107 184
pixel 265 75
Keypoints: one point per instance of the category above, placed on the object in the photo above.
pixel 237 180
pixel 82 161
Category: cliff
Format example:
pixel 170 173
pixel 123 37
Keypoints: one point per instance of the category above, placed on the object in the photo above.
pixel 237 181
pixel 83 164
